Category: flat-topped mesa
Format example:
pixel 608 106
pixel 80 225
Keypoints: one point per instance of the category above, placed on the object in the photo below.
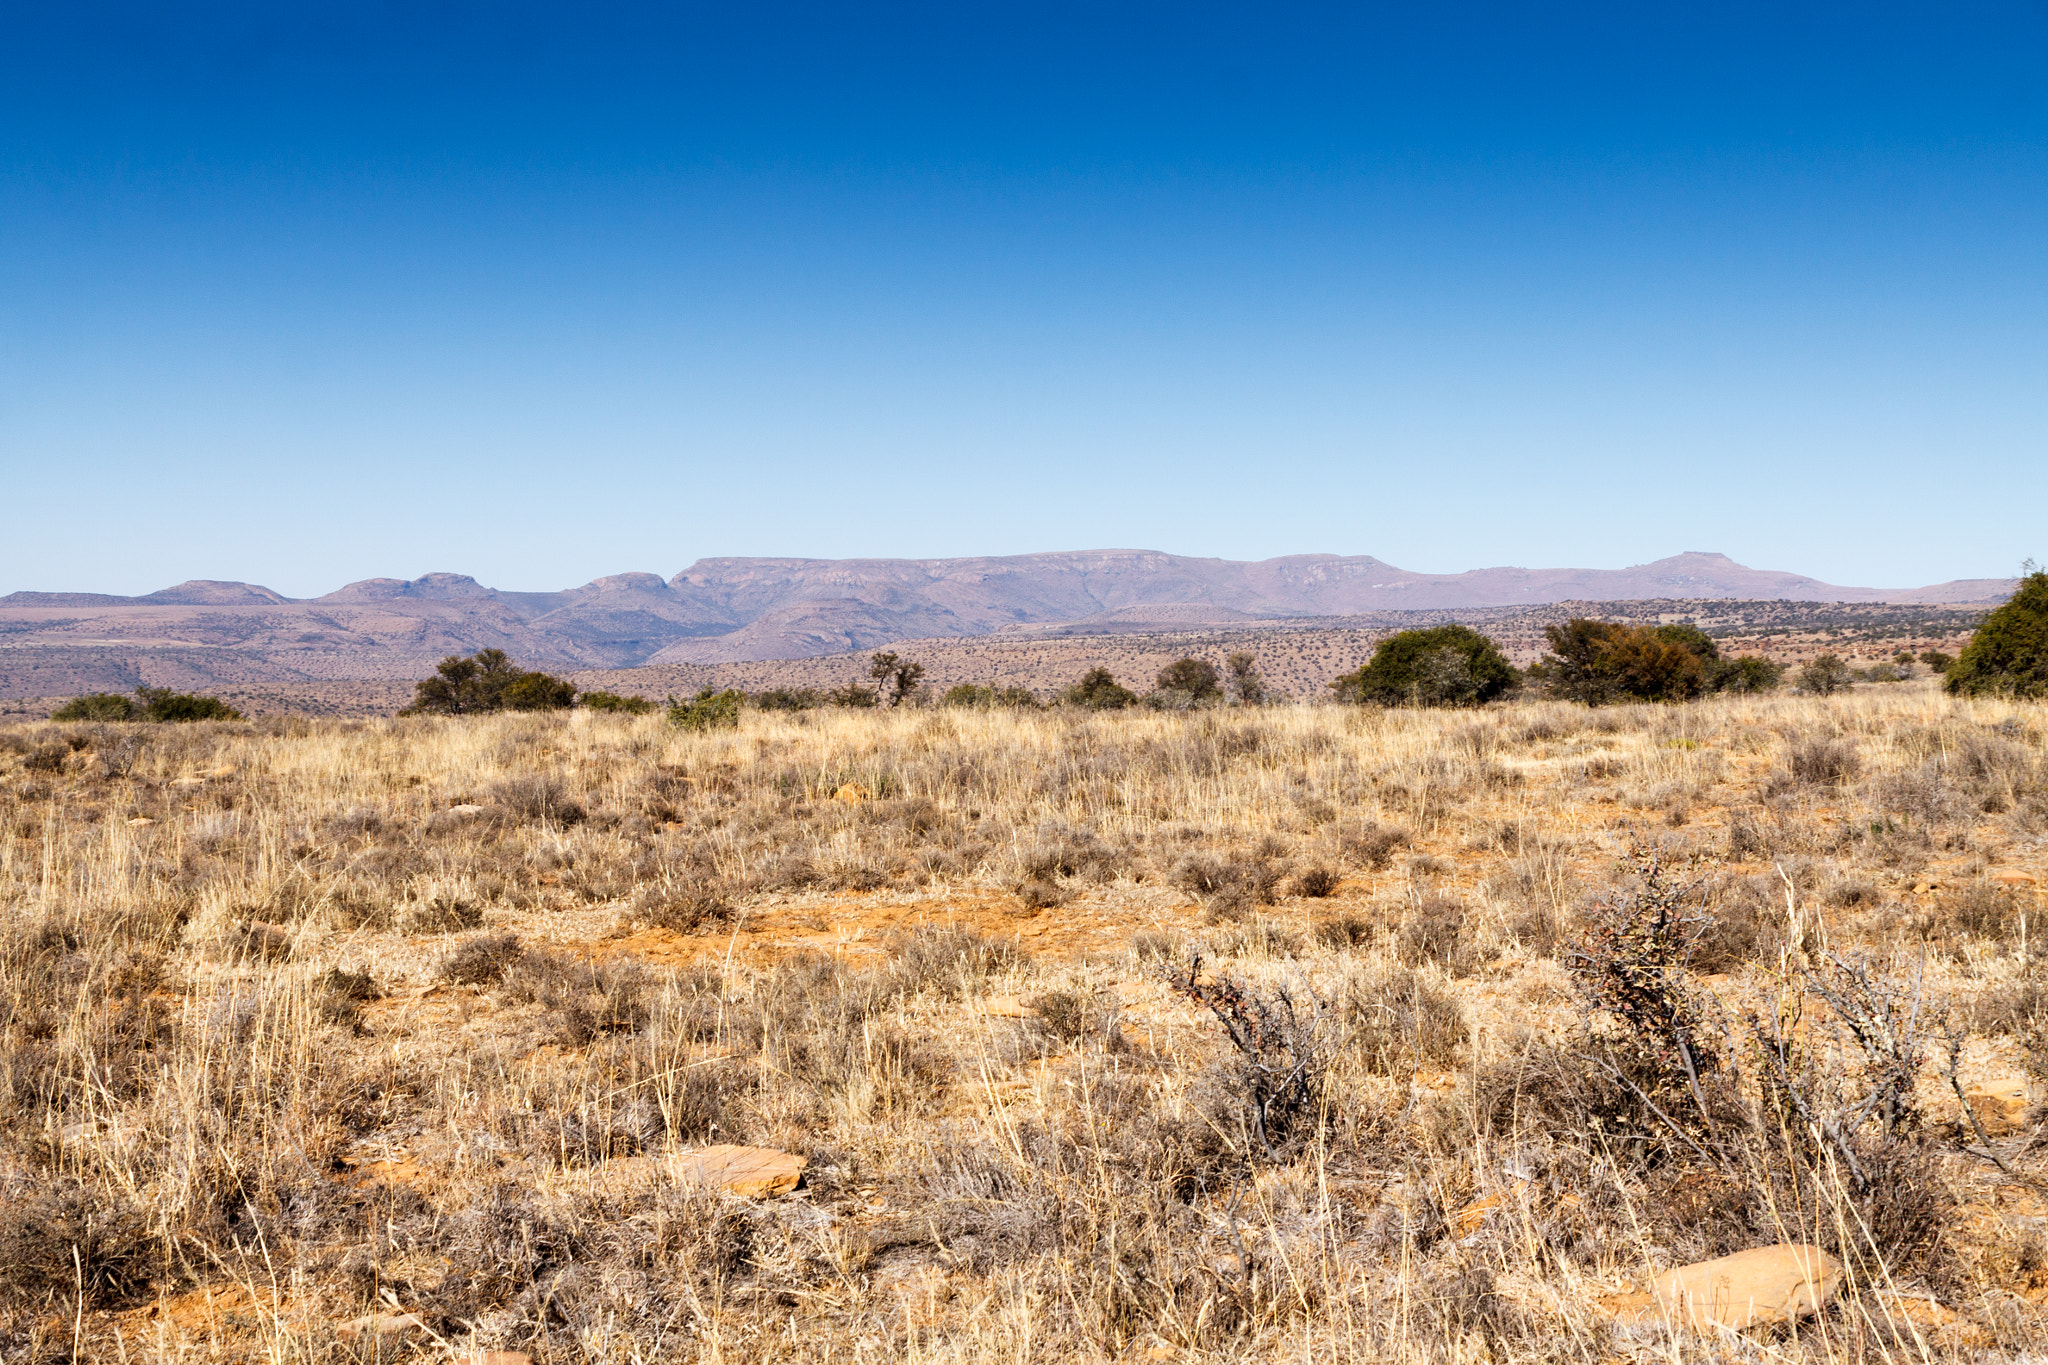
pixel 437 587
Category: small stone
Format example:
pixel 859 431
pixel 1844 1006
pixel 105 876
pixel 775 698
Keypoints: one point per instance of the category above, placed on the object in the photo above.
pixel 750 1171
pixel 853 793
pixel 1761 1285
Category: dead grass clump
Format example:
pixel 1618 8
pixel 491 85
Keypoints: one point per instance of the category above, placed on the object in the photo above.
pixel 539 797
pixel 1345 931
pixel 1400 1023
pixel 67 1243
pixel 1433 932
pixel 684 909
pixel 944 961
pixel 1823 761
pixel 1315 883
pixel 1984 910
pixel 482 961
pixel 1371 845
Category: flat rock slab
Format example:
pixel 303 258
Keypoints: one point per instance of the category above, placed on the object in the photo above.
pixel 750 1171
pixel 1761 1285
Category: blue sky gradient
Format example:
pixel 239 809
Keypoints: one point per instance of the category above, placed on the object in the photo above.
pixel 307 294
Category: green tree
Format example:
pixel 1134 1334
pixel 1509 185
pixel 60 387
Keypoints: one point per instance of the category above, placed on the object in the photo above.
pixel 162 704
pixel 487 680
pixel 708 710
pixel 1437 666
pixel 1098 690
pixel 1196 679
pixel 1936 660
pixel 896 678
pixel 1686 635
pixel 2008 656
pixel 96 706
pixel 1602 661
pixel 1246 686
pixel 1826 675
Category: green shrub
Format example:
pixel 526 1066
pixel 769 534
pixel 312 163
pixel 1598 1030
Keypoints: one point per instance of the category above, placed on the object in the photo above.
pixel 1826 676
pixel 162 704
pixel 989 698
pixel 1196 679
pixel 487 680
pixel 539 692
pixel 96 706
pixel 613 701
pixel 1937 660
pixel 853 694
pixel 1744 673
pixel 708 710
pixel 1602 661
pixel 1688 636
pixel 1099 690
pixel 1440 666
pixel 2008 655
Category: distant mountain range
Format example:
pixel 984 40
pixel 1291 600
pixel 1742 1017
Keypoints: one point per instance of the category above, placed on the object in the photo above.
pixel 730 610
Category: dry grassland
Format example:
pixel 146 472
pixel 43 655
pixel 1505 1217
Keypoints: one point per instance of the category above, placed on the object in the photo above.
pixel 303 1021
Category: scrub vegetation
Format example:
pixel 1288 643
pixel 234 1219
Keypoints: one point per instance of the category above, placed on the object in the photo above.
pixel 1107 1031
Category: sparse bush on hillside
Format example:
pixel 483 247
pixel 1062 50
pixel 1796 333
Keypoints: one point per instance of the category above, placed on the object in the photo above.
pixel 708 710
pixel 487 681
pixel 101 706
pixel 1826 676
pixel 2008 655
pixel 794 699
pixel 1440 666
pixel 1936 661
pixel 1098 690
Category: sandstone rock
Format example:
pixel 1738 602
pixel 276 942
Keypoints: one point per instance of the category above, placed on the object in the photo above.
pixel 1008 1007
pixel 853 793
pixel 749 1171
pixel 1999 1104
pixel 1761 1285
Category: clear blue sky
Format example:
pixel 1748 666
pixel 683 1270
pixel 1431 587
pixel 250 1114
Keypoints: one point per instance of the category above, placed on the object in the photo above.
pixel 300 294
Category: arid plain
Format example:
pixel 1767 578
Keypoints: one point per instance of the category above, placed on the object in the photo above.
pixel 1238 1034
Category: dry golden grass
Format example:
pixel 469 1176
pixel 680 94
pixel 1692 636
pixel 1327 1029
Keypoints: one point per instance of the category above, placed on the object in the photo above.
pixel 302 1021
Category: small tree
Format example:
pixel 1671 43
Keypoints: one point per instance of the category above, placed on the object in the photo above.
pixel 96 706
pixel 897 678
pixel 1098 690
pixel 1603 661
pixel 988 698
pixel 1936 660
pixel 487 680
pixel 1246 685
pixel 2008 655
pixel 1825 676
pixel 1439 666
pixel 1196 679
